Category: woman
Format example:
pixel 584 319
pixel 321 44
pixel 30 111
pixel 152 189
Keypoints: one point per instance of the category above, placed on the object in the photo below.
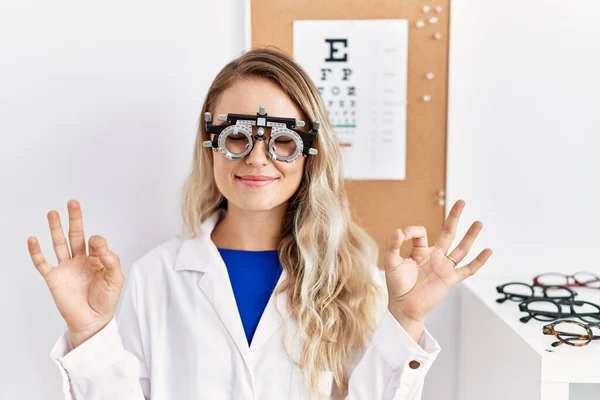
pixel 271 291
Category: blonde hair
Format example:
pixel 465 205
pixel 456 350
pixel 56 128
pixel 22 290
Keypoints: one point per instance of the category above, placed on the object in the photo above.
pixel 332 292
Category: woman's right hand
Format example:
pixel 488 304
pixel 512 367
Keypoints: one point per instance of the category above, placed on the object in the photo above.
pixel 85 288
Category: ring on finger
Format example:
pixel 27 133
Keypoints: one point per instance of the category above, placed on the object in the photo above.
pixel 449 257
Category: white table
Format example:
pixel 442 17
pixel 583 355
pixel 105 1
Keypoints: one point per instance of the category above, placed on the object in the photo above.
pixel 502 358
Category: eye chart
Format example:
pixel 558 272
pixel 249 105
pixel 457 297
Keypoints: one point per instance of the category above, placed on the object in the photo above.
pixel 360 69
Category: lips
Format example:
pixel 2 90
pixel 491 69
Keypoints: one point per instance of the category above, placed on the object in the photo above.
pixel 255 180
pixel 256 177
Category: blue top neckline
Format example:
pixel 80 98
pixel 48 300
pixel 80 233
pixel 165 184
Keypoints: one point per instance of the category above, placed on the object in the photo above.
pixel 253 275
pixel 248 251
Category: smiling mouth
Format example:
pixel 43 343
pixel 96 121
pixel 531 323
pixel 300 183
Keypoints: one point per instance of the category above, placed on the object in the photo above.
pixel 255 182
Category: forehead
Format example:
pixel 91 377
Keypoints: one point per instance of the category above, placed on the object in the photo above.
pixel 246 95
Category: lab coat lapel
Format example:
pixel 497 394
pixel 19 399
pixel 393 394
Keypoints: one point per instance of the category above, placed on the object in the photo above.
pixel 201 254
pixel 270 320
pixel 216 286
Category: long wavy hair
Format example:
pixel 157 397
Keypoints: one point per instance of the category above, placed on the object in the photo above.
pixel 332 291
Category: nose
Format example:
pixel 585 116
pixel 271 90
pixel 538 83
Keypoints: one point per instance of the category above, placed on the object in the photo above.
pixel 259 156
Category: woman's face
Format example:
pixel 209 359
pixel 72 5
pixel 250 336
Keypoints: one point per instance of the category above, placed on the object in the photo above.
pixel 236 180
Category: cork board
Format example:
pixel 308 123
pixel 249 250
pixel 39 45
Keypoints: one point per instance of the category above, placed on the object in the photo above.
pixel 383 206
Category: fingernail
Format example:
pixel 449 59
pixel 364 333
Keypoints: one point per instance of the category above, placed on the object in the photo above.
pixel 106 254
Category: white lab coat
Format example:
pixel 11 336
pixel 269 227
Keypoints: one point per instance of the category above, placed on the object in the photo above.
pixel 178 335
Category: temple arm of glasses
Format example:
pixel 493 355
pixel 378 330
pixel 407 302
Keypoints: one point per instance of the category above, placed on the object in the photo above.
pixel 547 314
pixel 573 335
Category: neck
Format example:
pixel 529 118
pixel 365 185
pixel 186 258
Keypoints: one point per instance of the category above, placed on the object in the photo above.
pixel 249 230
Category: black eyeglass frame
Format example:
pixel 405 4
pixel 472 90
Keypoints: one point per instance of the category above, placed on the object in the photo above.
pixel 546 316
pixel 520 297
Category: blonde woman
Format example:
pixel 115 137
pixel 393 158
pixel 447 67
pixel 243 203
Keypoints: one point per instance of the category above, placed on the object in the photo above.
pixel 271 291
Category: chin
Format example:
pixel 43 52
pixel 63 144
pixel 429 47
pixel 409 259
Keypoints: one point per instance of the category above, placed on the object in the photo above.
pixel 256 199
pixel 256 206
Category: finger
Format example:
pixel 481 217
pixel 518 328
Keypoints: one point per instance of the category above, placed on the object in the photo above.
pixel 97 244
pixel 94 264
pixel 58 237
pixel 465 244
pixel 444 241
pixel 76 235
pixel 112 266
pixel 39 261
pixel 472 267
pixel 99 248
pixel 112 263
pixel 418 235
pixel 392 256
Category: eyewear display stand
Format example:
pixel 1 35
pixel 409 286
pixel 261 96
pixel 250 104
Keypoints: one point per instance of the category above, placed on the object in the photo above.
pixel 502 358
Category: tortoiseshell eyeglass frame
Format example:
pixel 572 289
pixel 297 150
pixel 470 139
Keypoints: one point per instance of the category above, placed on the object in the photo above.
pixel 545 295
pixel 549 330
pixel 570 280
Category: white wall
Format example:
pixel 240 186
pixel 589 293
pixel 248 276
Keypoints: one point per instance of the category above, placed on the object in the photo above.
pixel 524 130
pixel 523 138
pixel 99 101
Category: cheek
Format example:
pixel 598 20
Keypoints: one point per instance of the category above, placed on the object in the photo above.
pixel 221 170
pixel 293 171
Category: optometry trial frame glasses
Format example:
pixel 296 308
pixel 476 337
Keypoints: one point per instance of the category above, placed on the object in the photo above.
pixel 234 138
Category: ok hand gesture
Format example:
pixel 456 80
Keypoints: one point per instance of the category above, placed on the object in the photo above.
pixel 85 288
pixel 418 283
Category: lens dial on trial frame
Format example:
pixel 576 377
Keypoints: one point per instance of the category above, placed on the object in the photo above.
pixel 235 139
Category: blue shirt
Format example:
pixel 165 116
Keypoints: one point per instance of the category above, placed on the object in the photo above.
pixel 253 276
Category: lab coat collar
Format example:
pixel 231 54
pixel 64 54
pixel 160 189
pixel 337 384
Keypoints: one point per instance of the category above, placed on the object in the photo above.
pixel 200 254
pixel 195 254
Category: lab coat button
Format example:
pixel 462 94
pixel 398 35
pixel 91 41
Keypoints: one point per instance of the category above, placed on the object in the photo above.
pixel 414 364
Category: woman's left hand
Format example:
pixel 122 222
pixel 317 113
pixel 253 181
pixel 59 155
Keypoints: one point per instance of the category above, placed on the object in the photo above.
pixel 418 283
